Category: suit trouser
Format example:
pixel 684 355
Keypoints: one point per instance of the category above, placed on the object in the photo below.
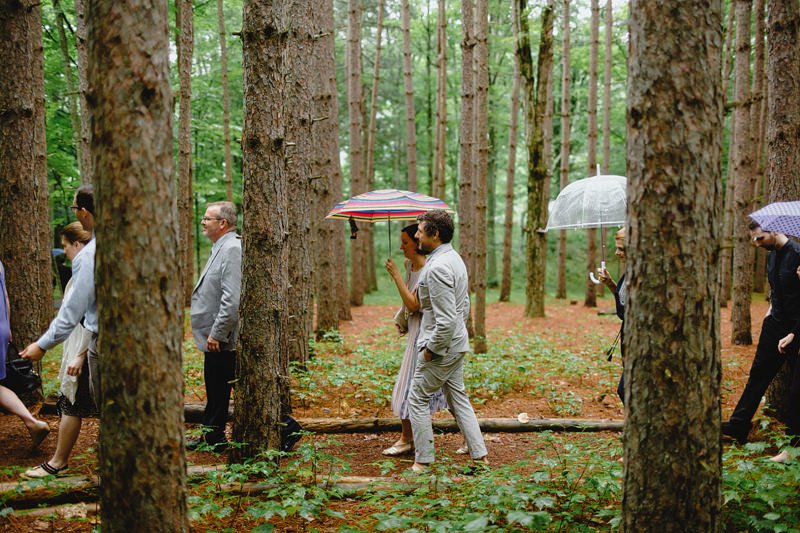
pixel 766 365
pixel 446 373
pixel 219 370
pixel 94 373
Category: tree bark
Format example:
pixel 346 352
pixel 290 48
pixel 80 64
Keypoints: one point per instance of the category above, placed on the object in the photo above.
pixel 590 299
pixel 87 170
pixel 535 102
pixel 783 135
pixel 373 101
pixel 226 101
pixel 508 221
pixel 25 239
pixel 358 247
pixel 743 255
pixel 325 171
pixel 672 348
pixel 183 11
pixel 758 133
pixel 408 82
pixel 440 153
pixel 138 294
pixel 561 277
pixel 607 88
pixel 466 178
pixel 273 37
pixel 481 155
pixel 726 277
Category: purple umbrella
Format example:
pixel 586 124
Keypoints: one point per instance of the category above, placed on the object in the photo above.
pixel 779 217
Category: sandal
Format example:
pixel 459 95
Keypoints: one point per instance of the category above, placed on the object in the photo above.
pixel 399 449
pixel 44 470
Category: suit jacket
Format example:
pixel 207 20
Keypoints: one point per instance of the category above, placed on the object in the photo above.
pixel 215 298
pixel 444 302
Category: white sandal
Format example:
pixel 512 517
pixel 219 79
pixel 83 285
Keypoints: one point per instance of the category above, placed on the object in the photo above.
pixel 399 449
pixel 44 470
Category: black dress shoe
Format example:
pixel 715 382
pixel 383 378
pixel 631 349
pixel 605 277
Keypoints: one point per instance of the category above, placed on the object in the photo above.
pixel 734 432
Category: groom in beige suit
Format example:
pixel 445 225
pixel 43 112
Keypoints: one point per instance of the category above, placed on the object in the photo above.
pixel 215 318
pixel 442 342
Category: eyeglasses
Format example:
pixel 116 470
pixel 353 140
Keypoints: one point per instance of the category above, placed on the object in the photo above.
pixel 74 207
pixel 206 219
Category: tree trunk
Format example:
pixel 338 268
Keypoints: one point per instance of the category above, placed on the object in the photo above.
pixel 561 278
pixel 358 246
pixel 590 300
pixel 607 88
pixel 274 42
pixel 466 178
pixel 24 246
pixel 508 221
pixel 440 152
pixel 430 125
pixel 672 348
pixel 408 82
pixel 183 12
pixel 743 255
pixel 87 170
pixel 72 95
pixel 783 135
pixel 325 170
pixel 373 102
pixel 142 463
pixel 727 222
pixel 757 135
pixel 226 101
pixel 535 103
pixel 481 154
pixel 301 152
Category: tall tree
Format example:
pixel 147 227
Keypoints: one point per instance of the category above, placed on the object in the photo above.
pixel 607 90
pixel 87 170
pixel 758 133
pixel 24 248
pixel 183 12
pixel 440 151
pixel 466 134
pixel 743 175
pixel 326 172
pixel 672 346
pixel 226 101
pixel 139 301
pixel 408 83
pixel 373 101
pixel 481 155
pixel 508 221
pixel 783 132
pixel 277 44
pixel 358 247
pixel 561 277
pixel 590 299
pixel 535 102
pixel 727 223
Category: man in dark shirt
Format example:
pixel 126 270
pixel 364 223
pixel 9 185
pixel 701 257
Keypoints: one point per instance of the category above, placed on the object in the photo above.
pixel 777 341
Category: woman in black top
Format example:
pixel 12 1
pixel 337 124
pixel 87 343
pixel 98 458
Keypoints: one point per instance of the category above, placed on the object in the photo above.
pixel 620 296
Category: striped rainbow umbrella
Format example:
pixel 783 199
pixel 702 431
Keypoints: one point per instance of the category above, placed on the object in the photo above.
pixel 385 204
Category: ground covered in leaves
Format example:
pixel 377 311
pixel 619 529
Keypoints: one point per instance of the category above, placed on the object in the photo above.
pixel 552 367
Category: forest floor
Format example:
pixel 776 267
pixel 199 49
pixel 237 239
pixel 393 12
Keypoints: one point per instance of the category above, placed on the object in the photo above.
pixel 586 395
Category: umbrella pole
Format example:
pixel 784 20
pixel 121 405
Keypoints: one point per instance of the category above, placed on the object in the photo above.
pixel 389 218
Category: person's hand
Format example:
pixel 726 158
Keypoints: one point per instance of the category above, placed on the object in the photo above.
pixel 605 278
pixel 798 272
pixel 785 342
pixel 392 269
pixel 32 352
pixel 76 365
pixel 212 344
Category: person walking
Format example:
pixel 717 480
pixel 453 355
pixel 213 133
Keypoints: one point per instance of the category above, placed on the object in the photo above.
pixel 443 341
pixel 9 400
pixel 215 319
pixel 407 321
pixel 620 291
pixel 75 400
pixel 777 342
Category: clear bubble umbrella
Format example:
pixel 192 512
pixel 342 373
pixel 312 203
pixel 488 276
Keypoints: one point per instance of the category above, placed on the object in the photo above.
pixel 594 202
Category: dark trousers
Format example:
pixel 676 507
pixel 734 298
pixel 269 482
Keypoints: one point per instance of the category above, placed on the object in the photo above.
pixel 766 365
pixel 219 370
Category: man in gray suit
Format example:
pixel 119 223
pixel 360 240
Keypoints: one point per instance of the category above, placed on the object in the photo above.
pixel 215 318
pixel 442 343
